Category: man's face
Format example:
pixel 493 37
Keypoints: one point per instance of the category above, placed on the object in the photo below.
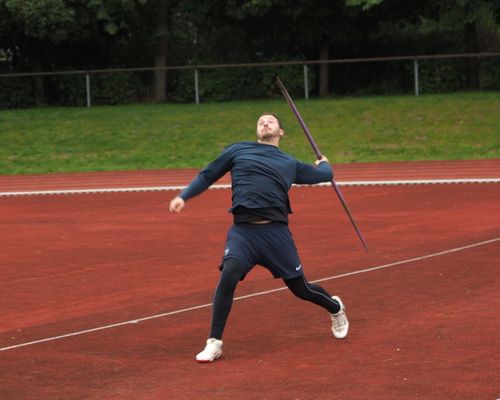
pixel 268 127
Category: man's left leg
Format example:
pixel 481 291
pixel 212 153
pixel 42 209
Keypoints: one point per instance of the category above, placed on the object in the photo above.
pixel 304 290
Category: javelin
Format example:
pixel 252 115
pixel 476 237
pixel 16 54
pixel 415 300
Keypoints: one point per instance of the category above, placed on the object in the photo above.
pixel 318 155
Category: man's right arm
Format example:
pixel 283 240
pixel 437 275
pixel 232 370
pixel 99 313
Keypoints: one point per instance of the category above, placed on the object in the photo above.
pixel 209 175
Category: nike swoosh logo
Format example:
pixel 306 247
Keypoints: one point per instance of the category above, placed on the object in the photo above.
pixel 298 268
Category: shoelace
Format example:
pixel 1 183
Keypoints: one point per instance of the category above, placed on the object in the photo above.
pixel 211 348
pixel 339 320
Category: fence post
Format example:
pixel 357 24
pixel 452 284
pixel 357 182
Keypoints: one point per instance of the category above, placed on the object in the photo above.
pixel 306 83
pixel 479 74
pixel 87 85
pixel 196 88
pixel 415 73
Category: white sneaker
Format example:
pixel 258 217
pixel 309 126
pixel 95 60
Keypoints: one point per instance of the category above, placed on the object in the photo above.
pixel 212 351
pixel 340 324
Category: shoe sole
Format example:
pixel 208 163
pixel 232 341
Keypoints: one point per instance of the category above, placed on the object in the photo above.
pixel 207 361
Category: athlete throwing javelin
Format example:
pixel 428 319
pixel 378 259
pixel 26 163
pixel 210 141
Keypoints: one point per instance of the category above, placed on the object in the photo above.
pixel 261 177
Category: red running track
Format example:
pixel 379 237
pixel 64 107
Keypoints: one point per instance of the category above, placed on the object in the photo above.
pixel 423 327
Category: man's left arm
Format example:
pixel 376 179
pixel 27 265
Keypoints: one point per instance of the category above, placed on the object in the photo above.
pixel 308 174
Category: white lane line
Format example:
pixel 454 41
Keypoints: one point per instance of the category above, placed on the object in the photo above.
pixel 183 310
pixel 228 186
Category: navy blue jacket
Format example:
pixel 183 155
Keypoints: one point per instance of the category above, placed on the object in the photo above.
pixel 261 175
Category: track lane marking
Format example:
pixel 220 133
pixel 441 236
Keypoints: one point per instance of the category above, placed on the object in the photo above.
pixel 228 186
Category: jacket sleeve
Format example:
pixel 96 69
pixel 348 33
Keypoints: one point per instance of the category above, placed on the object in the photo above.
pixel 209 175
pixel 310 174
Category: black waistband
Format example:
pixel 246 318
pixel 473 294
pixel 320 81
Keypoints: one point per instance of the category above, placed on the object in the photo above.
pixel 256 215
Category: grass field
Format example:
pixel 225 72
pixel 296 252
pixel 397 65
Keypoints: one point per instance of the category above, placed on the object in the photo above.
pixel 431 127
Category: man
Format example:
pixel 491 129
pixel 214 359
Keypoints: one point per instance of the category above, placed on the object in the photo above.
pixel 261 177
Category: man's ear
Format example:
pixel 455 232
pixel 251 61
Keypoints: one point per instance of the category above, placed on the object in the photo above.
pixel 282 132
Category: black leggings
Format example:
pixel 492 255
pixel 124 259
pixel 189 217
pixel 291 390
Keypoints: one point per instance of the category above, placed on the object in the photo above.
pixel 233 272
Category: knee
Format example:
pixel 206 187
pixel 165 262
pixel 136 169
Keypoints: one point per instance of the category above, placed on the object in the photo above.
pixel 301 294
pixel 298 287
pixel 232 272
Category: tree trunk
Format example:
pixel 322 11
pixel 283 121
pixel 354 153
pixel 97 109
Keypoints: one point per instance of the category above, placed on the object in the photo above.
pixel 472 64
pixel 324 78
pixel 160 83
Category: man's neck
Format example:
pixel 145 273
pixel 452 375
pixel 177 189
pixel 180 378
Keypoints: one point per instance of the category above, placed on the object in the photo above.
pixel 273 142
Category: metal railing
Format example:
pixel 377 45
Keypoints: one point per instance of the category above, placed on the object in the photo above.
pixel 305 64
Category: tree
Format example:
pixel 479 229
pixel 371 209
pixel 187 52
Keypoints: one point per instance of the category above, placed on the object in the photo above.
pixel 165 10
pixel 38 33
pixel 63 34
pixel 288 29
pixel 467 18
pixel 472 22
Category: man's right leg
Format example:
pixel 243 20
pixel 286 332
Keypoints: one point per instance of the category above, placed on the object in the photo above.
pixel 232 273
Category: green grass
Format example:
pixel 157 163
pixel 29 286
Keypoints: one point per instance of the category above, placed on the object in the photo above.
pixel 431 127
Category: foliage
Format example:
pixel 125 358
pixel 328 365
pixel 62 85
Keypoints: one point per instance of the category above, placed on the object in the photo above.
pixel 490 74
pixel 59 20
pixel 366 4
pixel 250 83
pixel 116 88
pixel 106 89
pixel 72 90
pixel 437 76
pixel 49 33
pixel 237 83
pixel 16 93
pixel 46 19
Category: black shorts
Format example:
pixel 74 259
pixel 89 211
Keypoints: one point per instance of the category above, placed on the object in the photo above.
pixel 270 245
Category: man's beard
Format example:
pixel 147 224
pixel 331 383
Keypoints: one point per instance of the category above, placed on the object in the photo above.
pixel 267 136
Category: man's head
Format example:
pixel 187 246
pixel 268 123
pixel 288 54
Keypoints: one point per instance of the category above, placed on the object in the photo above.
pixel 269 130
